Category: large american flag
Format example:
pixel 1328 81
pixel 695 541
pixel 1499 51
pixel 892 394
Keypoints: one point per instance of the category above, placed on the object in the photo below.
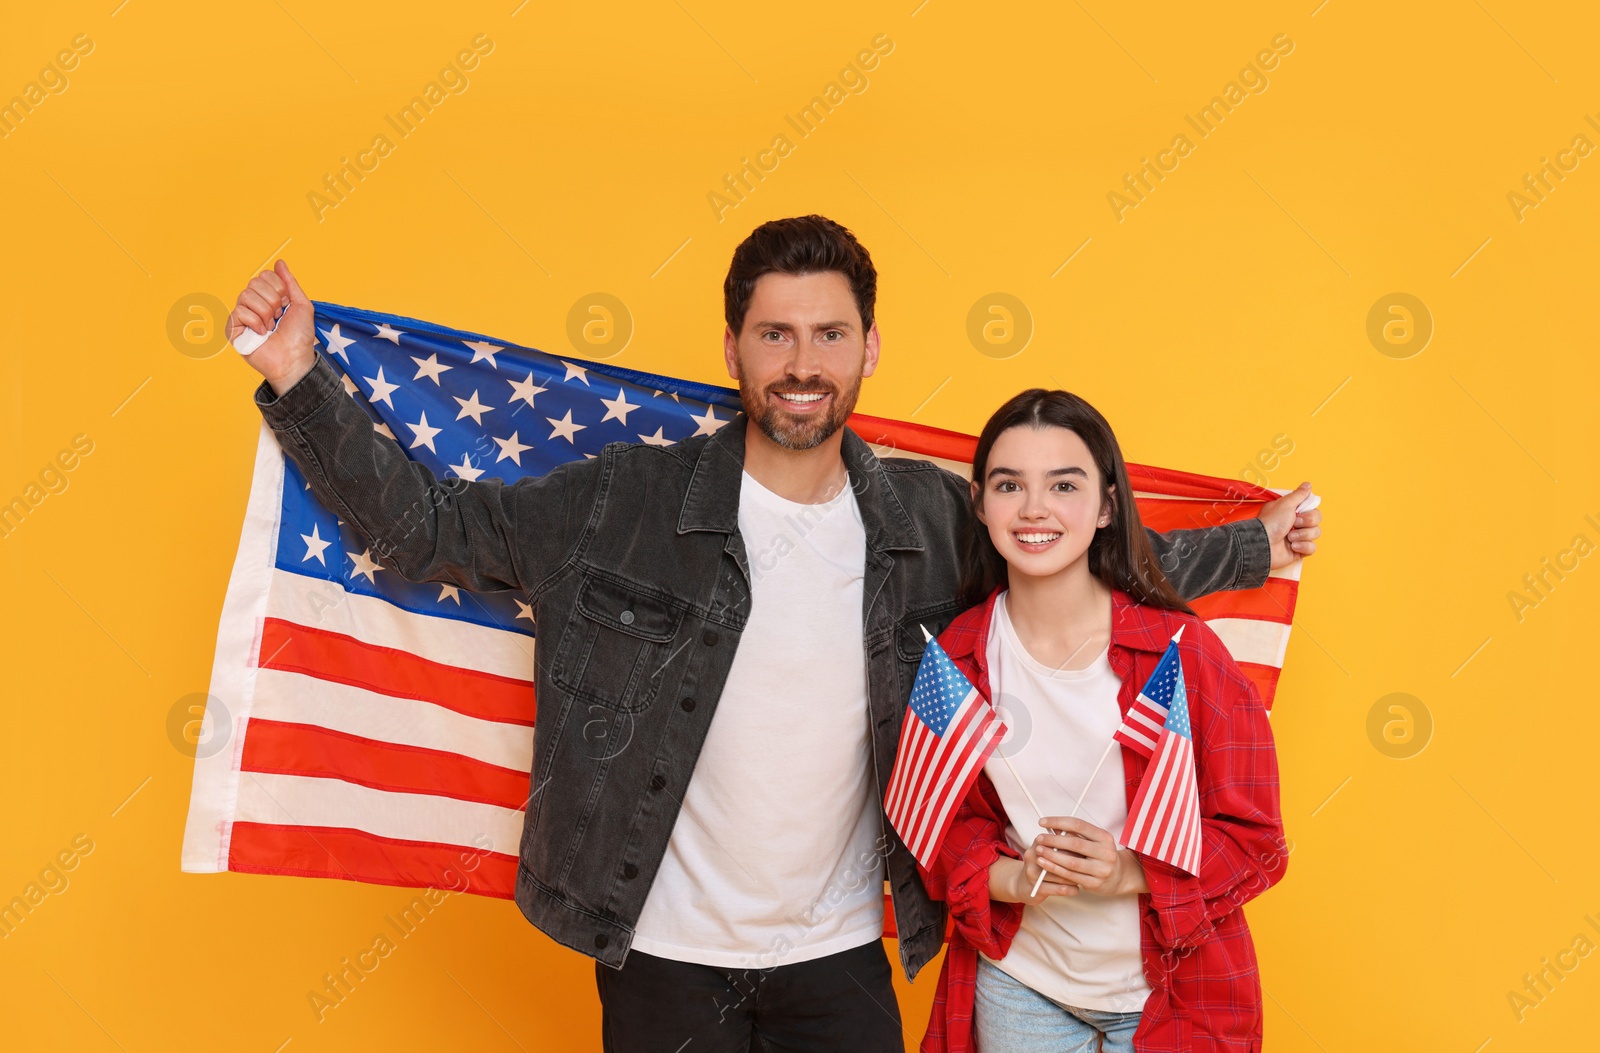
pixel 948 733
pixel 363 727
pixel 1164 821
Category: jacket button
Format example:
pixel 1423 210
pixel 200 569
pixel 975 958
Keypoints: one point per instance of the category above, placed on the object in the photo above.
pixel 657 783
pixel 710 638
pixel 630 871
pixel 626 617
pixel 688 707
pixel 601 940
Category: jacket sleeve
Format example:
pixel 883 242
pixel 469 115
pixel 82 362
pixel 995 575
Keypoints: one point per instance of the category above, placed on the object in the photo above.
pixel 960 873
pixel 482 535
pixel 1214 559
pixel 1243 851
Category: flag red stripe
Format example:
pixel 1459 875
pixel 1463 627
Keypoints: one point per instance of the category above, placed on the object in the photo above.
pixel 924 777
pixel 915 740
pixel 355 855
pixel 1163 514
pixel 390 671
pixel 1272 602
pixel 953 748
pixel 1265 677
pixel 1145 814
pixel 282 748
pixel 955 446
pixel 984 743
pixel 915 439
pixel 1163 801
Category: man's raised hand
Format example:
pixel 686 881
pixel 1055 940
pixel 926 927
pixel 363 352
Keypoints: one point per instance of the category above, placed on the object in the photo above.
pixel 290 352
pixel 1292 533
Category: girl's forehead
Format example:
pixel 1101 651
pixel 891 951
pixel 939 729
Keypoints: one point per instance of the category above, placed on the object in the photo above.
pixel 1045 446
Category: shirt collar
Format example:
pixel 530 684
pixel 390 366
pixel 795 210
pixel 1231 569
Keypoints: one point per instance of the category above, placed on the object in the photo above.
pixel 712 500
pixel 1134 626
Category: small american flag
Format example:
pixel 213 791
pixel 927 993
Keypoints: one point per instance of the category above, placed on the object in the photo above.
pixel 1141 728
pixel 1164 821
pixel 948 734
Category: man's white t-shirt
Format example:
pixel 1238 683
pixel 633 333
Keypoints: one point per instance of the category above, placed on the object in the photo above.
pixel 1082 950
pixel 773 859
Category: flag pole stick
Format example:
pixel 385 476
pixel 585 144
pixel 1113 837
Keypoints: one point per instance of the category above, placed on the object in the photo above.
pixel 1039 881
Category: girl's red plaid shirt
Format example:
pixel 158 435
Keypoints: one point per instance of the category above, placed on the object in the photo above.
pixel 1199 960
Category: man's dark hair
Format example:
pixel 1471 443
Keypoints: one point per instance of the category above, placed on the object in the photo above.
pixel 798 245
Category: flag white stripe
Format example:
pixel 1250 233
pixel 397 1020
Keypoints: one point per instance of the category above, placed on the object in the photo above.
pixel 952 753
pixel 926 776
pixel 975 757
pixel 301 699
pixel 1180 822
pixel 233 668
pixel 1252 640
pixel 319 604
pixel 922 742
pixel 922 739
pixel 1167 803
pixel 296 800
pixel 1177 804
pixel 1143 816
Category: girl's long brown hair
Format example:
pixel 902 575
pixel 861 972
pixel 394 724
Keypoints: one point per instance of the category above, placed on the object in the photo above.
pixel 1120 554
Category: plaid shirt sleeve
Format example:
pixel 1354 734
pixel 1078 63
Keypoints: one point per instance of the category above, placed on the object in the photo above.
pixel 1243 851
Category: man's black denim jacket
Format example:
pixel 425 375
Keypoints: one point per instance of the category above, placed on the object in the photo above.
pixel 640 586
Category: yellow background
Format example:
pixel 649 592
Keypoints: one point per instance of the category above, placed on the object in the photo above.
pixel 1219 314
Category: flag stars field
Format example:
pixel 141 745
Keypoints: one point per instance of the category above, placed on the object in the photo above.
pixel 387 332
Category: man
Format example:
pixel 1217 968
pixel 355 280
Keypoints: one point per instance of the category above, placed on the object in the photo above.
pixel 751 606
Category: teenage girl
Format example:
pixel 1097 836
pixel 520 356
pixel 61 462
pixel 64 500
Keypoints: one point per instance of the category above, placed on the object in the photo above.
pixel 1118 951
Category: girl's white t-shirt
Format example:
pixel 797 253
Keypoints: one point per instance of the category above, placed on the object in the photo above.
pixel 1083 950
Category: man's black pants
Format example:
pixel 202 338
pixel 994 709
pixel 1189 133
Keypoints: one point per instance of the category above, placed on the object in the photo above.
pixel 841 1003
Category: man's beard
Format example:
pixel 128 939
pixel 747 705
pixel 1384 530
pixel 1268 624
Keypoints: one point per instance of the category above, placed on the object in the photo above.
pixel 791 431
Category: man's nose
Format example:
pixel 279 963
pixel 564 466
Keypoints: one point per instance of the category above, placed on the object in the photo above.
pixel 806 362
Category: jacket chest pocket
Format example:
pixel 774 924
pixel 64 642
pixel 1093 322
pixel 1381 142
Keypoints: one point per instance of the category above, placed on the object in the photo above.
pixel 615 648
pixel 909 639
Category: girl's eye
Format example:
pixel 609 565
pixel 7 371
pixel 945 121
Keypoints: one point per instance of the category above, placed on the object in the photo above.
pixel 1005 486
pixel 1064 485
